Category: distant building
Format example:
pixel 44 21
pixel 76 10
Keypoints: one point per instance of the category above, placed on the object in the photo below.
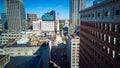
pixel 72 51
pixel 28 56
pixel 21 50
pixel 16 16
pixel 75 7
pixel 30 18
pixel 62 21
pixel 50 16
pixel 1 26
pixel 75 47
pixel 48 27
pixel 100 35
pixel 36 25
pixel 5 37
pixel 4 21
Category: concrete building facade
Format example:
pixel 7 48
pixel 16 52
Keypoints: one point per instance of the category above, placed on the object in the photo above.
pixel 20 50
pixel 5 37
pixel 16 16
pixel 36 25
pixel 30 18
pixel 75 45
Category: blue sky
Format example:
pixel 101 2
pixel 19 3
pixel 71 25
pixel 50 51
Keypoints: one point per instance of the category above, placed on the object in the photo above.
pixel 40 7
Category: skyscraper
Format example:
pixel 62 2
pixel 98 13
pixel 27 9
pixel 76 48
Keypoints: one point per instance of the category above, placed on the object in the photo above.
pixel 4 21
pixel 15 15
pixel 30 18
pixel 100 35
pixel 75 7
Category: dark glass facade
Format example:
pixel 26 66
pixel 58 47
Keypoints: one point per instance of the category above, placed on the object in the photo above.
pixel 50 16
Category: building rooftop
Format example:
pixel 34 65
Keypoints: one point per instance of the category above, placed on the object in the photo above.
pixel 24 62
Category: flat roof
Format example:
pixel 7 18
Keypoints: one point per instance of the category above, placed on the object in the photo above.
pixel 23 62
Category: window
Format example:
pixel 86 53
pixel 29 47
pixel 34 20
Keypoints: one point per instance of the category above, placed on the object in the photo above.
pixel 114 40
pixel 12 53
pixel 107 13
pixel 19 53
pixel 109 27
pixel 108 50
pixel 117 12
pixel 104 37
pixel 100 36
pixel 103 48
pixel 98 15
pixel 92 15
pixel 97 35
pixel 108 39
pixel 101 26
pixel 88 15
pixel 115 28
pixel 105 26
pixel 113 54
pixel 26 53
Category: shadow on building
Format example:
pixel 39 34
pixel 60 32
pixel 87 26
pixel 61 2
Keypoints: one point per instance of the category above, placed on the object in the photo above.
pixel 58 55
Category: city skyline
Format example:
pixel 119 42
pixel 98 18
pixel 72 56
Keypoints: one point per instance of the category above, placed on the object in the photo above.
pixel 39 7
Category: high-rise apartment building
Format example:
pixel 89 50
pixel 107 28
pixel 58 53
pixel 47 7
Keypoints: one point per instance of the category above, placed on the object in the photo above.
pixel 100 35
pixel 30 18
pixel 75 7
pixel 75 45
pixel 15 15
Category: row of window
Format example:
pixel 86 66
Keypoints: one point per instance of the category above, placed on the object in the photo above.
pixel 106 38
pixel 108 51
pixel 99 14
pixel 104 26
pixel 20 54
pixel 103 37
